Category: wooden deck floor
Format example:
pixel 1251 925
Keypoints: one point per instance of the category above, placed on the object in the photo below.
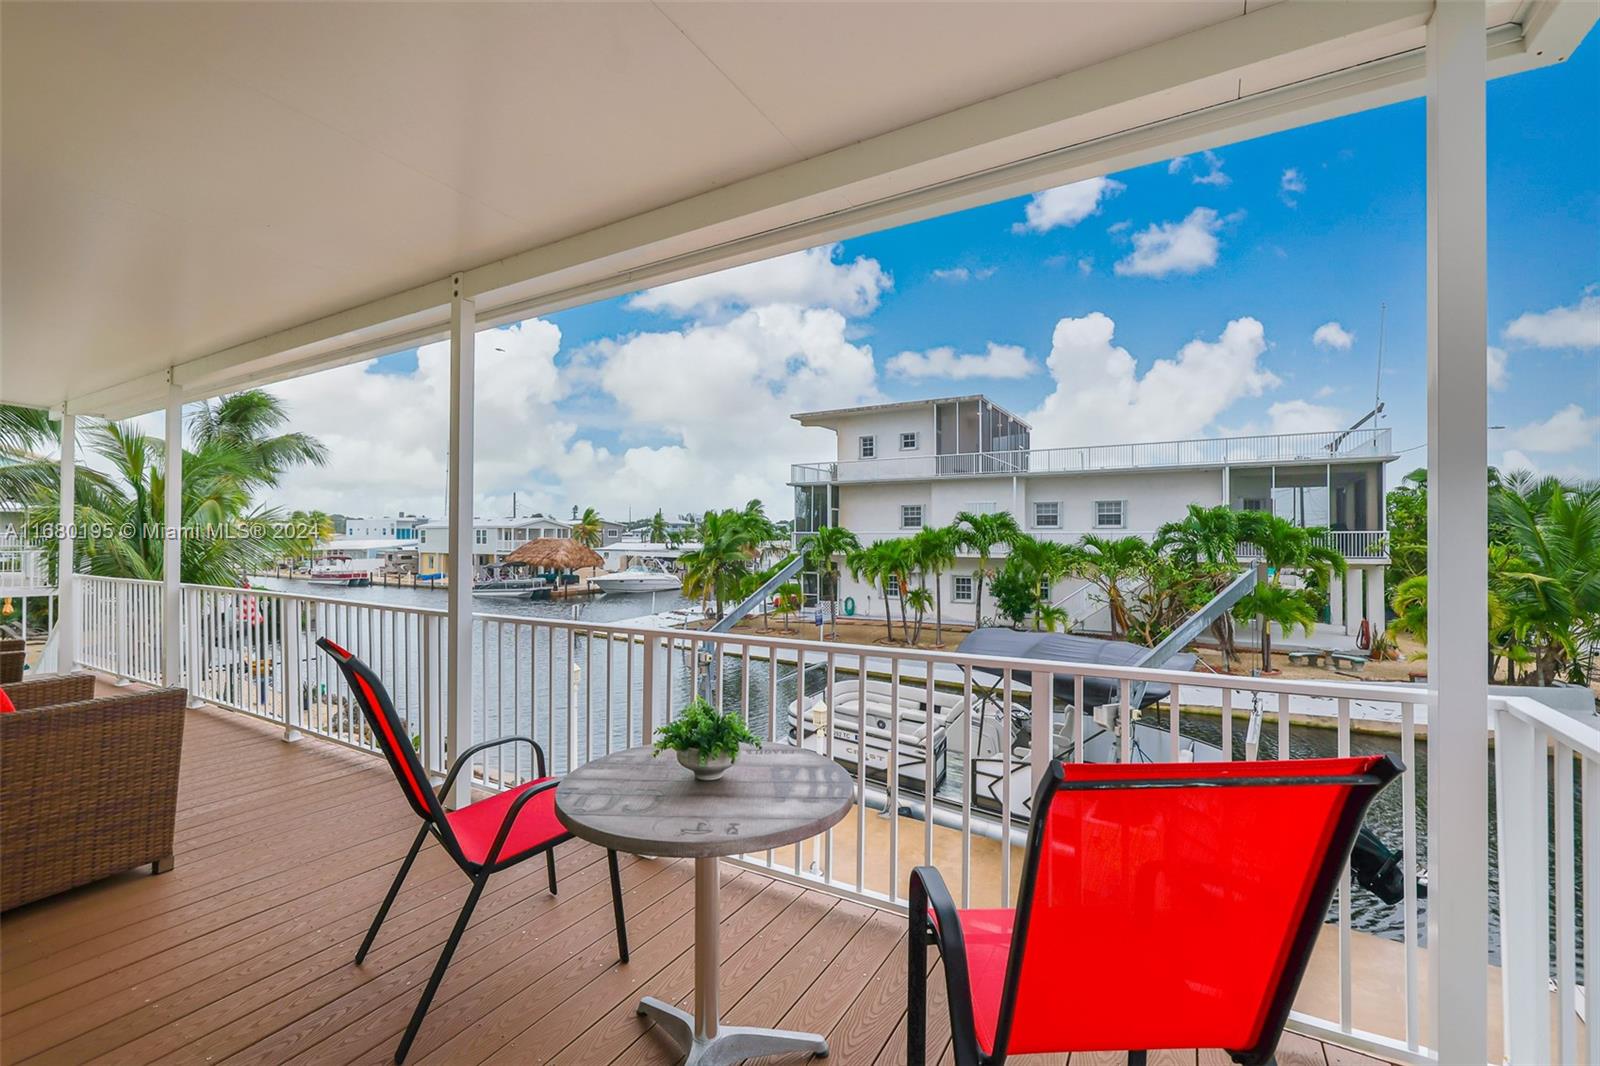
pixel 242 954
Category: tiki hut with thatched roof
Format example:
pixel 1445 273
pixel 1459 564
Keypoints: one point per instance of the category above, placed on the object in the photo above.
pixel 553 553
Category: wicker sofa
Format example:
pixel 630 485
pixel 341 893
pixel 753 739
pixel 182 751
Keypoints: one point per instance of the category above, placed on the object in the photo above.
pixel 13 659
pixel 88 787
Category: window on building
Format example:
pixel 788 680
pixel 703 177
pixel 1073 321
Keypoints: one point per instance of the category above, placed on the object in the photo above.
pixel 911 516
pixel 1044 591
pixel 481 536
pixel 867 447
pixel 1110 514
pixel 1047 515
pixel 908 442
pixel 961 588
pixel 891 587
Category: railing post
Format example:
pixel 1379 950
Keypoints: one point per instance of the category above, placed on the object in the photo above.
pixel 1521 793
pixel 289 646
pixel 119 591
pixel 647 690
pixel 1041 699
pixel 197 667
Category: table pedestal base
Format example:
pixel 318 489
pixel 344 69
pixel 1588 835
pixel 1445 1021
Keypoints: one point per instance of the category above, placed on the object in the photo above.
pixel 730 1043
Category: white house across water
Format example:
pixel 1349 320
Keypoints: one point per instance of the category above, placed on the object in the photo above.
pixel 900 467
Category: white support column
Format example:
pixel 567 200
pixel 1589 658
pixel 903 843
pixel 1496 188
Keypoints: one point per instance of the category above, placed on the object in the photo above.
pixel 458 602
pixel 1375 595
pixel 172 545
pixel 1353 584
pixel 1336 585
pixel 1458 446
pixel 66 585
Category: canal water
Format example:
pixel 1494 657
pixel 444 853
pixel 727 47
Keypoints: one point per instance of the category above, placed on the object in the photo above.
pixel 547 709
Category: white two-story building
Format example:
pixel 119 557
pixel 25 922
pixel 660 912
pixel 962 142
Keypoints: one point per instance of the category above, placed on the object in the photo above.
pixel 901 466
pixel 492 540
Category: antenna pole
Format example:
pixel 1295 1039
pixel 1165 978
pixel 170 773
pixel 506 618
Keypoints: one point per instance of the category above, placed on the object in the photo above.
pixel 1377 386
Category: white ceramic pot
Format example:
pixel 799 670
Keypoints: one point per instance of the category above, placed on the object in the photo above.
pixel 709 770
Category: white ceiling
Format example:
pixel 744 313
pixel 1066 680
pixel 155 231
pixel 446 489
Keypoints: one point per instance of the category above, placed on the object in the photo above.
pixel 176 179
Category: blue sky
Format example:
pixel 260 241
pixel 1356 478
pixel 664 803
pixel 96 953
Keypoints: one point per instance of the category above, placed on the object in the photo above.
pixel 678 397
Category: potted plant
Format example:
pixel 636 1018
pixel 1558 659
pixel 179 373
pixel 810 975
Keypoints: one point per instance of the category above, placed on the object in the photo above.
pixel 706 742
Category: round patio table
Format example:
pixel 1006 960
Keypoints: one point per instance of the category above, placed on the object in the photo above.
pixel 634 802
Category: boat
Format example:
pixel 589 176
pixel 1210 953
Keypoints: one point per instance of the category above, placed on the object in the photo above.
pixel 999 773
pixel 647 575
pixel 343 574
pixel 519 588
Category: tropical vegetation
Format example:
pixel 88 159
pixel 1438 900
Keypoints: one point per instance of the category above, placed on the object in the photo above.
pixel 700 728
pixel 237 451
pixel 733 545
pixel 1543 564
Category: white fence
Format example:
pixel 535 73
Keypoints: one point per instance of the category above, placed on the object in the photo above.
pixel 583 689
pixel 1546 761
pixel 22 565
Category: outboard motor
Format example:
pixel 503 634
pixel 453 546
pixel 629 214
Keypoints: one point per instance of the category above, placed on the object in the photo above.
pixel 1377 868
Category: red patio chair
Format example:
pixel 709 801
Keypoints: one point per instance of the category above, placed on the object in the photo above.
pixel 1161 906
pixel 483 837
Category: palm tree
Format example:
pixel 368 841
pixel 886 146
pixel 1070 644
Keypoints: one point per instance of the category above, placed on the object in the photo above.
pixel 824 549
pixel 876 566
pixel 1271 602
pixel 247 421
pixel 589 529
pixel 1043 562
pixel 1547 571
pixel 658 528
pixel 1106 562
pixel 1205 536
pixel 935 549
pixel 1286 546
pixel 787 599
pixel 919 599
pixel 224 535
pixel 981 533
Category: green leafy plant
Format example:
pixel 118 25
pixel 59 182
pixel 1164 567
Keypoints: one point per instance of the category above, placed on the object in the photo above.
pixel 700 728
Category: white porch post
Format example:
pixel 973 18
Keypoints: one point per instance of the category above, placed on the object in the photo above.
pixel 171 545
pixel 1353 584
pixel 458 621
pixel 1458 445
pixel 1336 613
pixel 66 585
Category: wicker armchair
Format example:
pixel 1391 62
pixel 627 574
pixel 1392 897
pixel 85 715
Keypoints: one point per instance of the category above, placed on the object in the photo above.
pixel 13 660
pixel 49 690
pixel 87 789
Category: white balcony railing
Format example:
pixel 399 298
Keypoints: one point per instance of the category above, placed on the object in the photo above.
pixel 1206 452
pixel 22 565
pixel 1546 761
pixel 583 690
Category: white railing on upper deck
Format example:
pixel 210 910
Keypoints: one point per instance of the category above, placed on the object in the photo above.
pixel 1544 761
pixel 582 690
pixel 22 564
pixel 1359 544
pixel 1206 451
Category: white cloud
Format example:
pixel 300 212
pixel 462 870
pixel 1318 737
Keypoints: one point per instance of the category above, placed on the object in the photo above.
pixel 691 418
pixel 958 275
pixel 1333 336
pixel 1567 430
pixel 1213 175
pixel 387 433
pixel 1067 205
pixel 1100 396
pixel 1177 163
pixel 815 277
pixel 999 361
pixel 1291 185
pixel 1086 265
pixel 1577 326
pixel 1301 416
pixel 1174 247
pixel 1324 392
pixel 1497 368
